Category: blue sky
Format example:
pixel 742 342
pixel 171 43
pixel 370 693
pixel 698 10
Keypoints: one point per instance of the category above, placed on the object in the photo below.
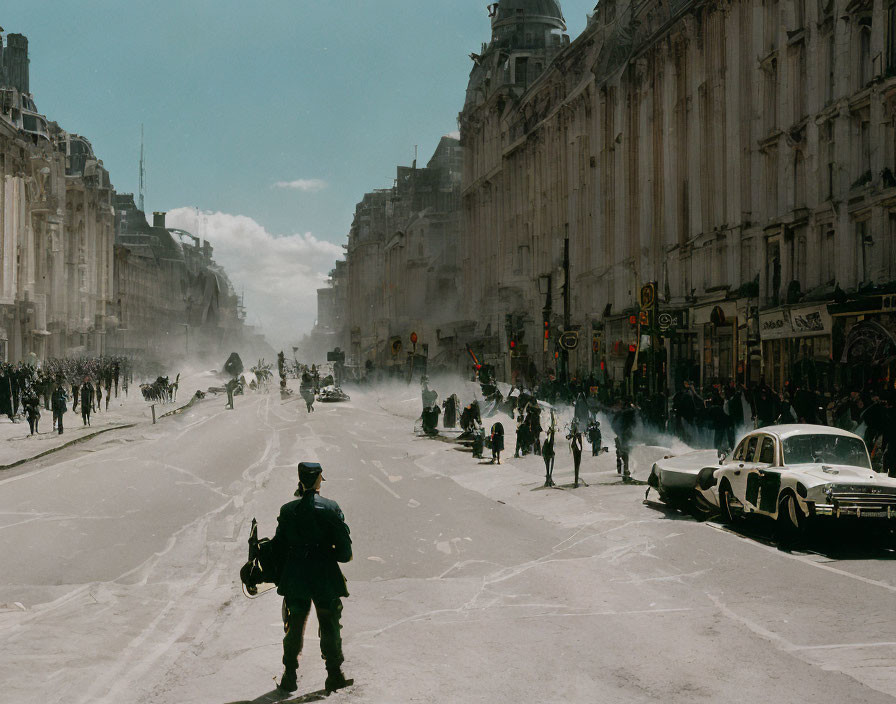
pixel 237 97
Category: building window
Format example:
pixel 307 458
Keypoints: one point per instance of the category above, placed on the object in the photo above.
pixel 800 81
pixel 830 68
pixel 799 180
pixel 865 252
pixel 891 37
pixel 799 14
pixel 863 70
pixel 771 96
pixel 771 181
pixel 826 157
pixel 773 273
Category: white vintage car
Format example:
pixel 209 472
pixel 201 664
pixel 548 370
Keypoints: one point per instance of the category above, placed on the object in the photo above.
pixel 797 472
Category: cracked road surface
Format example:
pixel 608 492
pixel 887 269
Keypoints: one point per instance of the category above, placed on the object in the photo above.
pixel 469 582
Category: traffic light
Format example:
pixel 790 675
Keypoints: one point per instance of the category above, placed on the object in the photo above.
pixel 633 321
pixel 512 344
pixel 547 329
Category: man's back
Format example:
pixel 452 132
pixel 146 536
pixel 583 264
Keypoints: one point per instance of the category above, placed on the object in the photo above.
pixel 312 538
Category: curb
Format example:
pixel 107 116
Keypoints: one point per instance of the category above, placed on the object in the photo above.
pixel 83 438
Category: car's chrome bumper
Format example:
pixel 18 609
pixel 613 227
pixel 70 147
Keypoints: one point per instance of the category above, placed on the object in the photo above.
pixel 888 512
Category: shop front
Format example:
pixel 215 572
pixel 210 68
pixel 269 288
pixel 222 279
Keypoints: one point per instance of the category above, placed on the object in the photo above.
pixel 865 342
pixel 796 347
pixel 717 328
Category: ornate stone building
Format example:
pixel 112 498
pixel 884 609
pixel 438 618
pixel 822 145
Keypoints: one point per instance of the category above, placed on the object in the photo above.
pixel 401 271
pixel 56 228
pixel 170 297
pixel 738 154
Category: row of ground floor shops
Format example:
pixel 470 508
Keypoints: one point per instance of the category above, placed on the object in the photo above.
pixel 823 346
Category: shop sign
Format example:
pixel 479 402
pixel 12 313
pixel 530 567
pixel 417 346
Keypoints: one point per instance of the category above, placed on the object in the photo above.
pixel 669 321
pixel 775 325
pixel 810 321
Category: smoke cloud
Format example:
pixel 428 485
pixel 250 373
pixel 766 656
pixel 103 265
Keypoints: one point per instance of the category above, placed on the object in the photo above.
pixel 309 185
pixel 280 274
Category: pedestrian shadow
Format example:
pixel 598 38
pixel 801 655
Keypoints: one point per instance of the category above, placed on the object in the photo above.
pixel 278 695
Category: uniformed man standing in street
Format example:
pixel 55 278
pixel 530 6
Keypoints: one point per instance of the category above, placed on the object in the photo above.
pixel 311 539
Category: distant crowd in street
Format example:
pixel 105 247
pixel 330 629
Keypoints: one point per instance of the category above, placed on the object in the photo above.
pixel 710 418
pixel 86 381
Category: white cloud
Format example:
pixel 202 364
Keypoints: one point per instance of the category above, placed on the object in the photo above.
pixel 279 274
pixel 454 135
pixel 309 185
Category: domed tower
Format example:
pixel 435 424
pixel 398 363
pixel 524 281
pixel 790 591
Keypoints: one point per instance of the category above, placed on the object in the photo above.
pixel 527 24
pixel 526 36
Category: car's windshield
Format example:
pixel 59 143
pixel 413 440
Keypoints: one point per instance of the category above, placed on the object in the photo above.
pixel 825 449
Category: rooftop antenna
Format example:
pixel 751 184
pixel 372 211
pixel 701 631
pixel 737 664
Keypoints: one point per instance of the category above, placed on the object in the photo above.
pixel 142 188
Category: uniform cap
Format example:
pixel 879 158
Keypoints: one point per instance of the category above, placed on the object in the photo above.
pixel 309 472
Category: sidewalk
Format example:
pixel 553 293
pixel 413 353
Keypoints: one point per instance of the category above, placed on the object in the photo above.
pixel 18 446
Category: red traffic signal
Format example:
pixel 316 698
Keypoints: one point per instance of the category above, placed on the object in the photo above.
pixel 632 348
pixel 413 338
pixel 603 365
pixel 547 330
pixel 512 344
pixel 633 320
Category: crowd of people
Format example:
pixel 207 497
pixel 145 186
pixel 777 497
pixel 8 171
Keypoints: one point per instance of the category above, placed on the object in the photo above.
pixel 26 389
pixel 711 418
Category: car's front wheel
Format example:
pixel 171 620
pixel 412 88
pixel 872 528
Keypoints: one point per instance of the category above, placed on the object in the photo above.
pixel 792 522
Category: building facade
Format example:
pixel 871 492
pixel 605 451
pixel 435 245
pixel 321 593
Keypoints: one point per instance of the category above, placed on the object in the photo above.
pixel 170 297
pixel 738 156
pixel 401 273
pixel 56 228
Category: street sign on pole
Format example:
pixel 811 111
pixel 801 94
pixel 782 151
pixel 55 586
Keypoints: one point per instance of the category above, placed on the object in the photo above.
pixel 569 339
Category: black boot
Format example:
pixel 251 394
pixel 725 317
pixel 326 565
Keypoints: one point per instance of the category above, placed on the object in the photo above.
pixel 288 682
pixel 336 680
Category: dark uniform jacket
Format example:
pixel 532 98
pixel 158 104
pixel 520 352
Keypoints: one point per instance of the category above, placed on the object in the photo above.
pixel 311 539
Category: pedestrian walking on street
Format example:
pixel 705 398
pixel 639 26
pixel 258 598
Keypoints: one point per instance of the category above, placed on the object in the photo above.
pixel 575 446
pixel 31 406
pixel 497 437
pixel 60 406
pixel 547 454
pixel 312 538
pixel 594 437
pixel 86 400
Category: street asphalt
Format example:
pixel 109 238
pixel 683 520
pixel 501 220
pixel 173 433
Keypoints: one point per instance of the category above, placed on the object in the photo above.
pixel 470 582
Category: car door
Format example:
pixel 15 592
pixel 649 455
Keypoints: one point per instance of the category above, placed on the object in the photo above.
pixel 764 477
pixel 737 471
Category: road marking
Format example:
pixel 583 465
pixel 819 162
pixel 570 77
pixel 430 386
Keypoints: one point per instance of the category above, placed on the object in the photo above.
pixel 383 484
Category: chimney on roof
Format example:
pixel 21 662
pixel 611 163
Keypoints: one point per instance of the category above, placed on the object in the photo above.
pixel 158 219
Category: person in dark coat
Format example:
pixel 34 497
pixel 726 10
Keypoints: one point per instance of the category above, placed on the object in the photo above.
pixel 60 406
pixel 31 406
pixel 312 538
pixel 535 429
pixel 497 442
pixel 450 405
pixel 547 454
pixel 86 400
pixel 594 437
pixel 575 446
pixel 523 438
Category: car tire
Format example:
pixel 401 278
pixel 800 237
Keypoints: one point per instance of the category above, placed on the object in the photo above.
pixel 725 494
pixel 792 522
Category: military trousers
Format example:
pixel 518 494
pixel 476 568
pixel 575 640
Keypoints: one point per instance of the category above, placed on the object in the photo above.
pixel 295 616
